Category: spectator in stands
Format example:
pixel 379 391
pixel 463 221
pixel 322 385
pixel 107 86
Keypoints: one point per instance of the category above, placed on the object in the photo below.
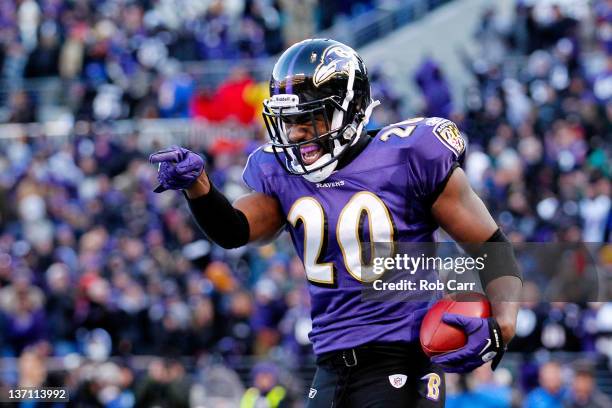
pixel 550 393
pixel 270 307
pixel 22 304
pixel 60 307
pixel 107 384
pixel 584 392
pixel 216 385
pixel 43 60
pixel 603 12
pixel 266 390
pixel 299 17
pixel 21 108
pixel 482 389
pixel 165 385
pixel 432 83
pixel 202 331
pixel 383 89
pixel 32 367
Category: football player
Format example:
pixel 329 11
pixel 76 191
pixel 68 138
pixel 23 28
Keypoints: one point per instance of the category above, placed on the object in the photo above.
pixel 321 176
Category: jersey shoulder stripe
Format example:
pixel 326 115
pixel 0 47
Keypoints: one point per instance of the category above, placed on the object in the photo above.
pixel 411 132
pixel 400 130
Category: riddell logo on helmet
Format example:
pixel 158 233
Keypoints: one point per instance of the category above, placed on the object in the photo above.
pixel 283 100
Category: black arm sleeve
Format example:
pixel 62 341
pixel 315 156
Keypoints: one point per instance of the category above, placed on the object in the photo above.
pixel 219 220
pixel 500 260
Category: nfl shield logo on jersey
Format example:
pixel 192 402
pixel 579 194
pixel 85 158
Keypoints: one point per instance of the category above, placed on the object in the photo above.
pixel 397 380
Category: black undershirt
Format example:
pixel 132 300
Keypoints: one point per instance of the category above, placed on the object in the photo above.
pixel 354 151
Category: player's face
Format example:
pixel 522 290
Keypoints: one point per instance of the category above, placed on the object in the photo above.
pixel 300 132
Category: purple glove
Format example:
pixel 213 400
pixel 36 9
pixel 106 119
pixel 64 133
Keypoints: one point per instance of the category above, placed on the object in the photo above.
pixel 484 343
pixel 178 168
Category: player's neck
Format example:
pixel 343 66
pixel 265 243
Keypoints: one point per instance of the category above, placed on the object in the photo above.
pixel 354 151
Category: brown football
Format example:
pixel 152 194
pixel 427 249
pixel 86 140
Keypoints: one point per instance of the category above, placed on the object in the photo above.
pixel 438 337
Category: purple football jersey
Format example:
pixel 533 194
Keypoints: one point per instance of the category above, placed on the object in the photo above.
pixel 392 184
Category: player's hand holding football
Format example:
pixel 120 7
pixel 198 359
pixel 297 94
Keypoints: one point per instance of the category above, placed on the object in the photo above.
pixel 484 343
pixel 179 169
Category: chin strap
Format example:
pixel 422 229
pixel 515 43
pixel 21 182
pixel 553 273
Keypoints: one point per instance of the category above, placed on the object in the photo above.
pixel 352 132
pixel 325 172
pixel 366 119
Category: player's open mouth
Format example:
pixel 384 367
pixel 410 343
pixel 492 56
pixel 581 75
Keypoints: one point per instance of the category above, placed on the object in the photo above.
pixel 311 153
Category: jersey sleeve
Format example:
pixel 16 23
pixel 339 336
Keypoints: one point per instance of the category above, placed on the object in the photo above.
pixel 440 149
pixel 253 174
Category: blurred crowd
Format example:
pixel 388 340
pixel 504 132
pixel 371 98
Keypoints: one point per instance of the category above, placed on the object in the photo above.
pixel 570 385
pixel 539 123
pixel 122 58
pixel 96 270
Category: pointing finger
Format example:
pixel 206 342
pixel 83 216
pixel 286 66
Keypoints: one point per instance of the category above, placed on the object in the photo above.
pixel 168 156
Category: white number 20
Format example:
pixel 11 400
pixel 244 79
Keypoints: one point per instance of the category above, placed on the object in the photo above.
pixel 309 212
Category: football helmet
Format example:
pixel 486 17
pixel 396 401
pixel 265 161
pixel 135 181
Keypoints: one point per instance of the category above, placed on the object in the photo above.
pixel 317 80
